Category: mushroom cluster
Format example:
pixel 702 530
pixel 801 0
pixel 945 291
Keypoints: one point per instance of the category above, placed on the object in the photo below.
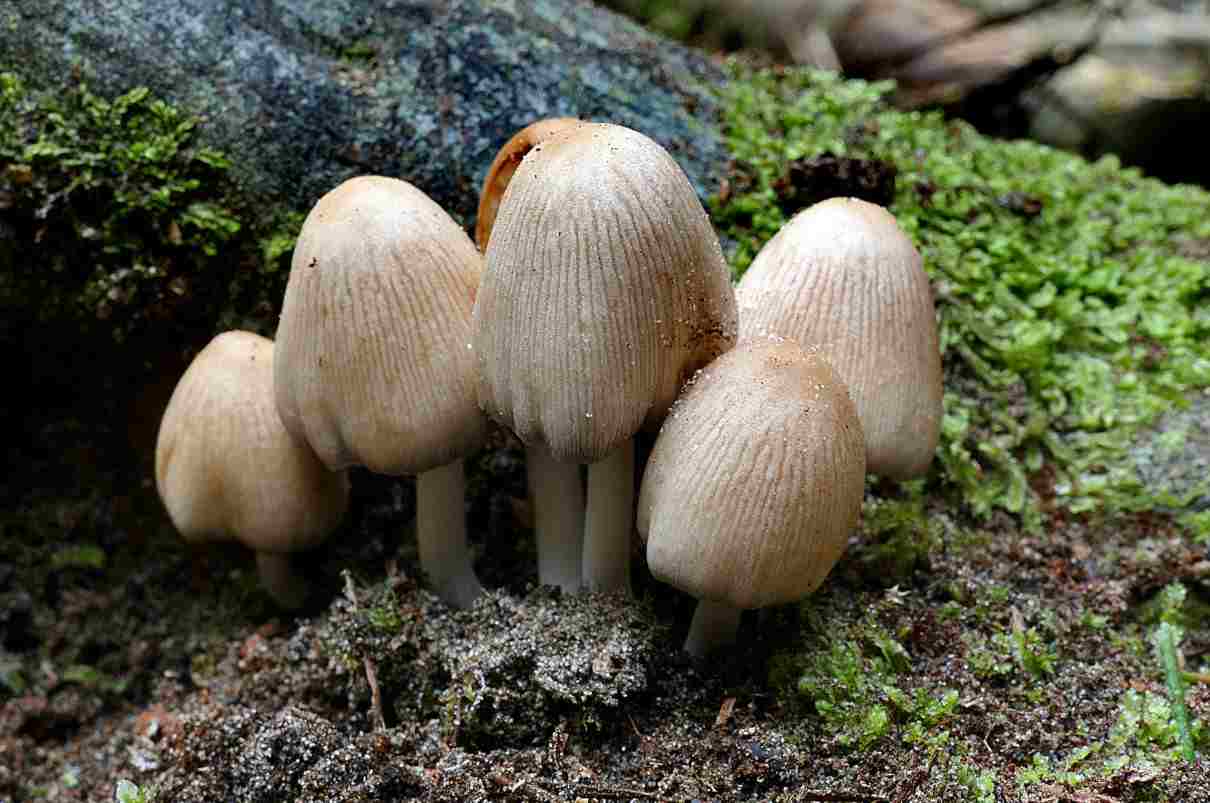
pixel 597 306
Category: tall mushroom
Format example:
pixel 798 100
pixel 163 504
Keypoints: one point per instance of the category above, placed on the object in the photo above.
pixel 842 275
pixel 226 468
pixel 605 290
pixel 754 484
pixel 374 366
pixel 554 491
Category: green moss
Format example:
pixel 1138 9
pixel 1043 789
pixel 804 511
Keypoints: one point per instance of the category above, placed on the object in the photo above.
pixel 79 556
pixel 360 51
pixel 848 680
pixel 123 221
pixel 127 792
pixel 985 658
pixel 1008 652
pixel 980 784
pixel 1198 524
pixel 898 536
pixel 1069 316
pixel 1144 738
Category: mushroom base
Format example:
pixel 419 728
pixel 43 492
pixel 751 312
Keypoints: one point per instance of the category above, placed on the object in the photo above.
pixel 715 625
pixel 281 580
pixel 609 521
pixel 558 499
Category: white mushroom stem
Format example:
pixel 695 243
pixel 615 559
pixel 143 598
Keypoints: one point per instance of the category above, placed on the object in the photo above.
pixel 281 580
pixel 715 625
pixel 441 535
pixel 608 521
pixel 558 501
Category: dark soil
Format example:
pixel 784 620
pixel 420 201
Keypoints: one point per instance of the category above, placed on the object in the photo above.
pixel 121 660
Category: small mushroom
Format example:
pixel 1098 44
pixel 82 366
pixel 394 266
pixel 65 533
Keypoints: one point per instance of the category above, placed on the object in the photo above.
pixel 754 484
pixel 605 290
pixel 226 469
pixel 842 275
pixel 374 364
pixel 507 160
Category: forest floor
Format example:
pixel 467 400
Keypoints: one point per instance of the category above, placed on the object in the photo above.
pixel 945 659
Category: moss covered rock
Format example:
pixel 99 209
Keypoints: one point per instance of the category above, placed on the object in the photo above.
pixel 301 94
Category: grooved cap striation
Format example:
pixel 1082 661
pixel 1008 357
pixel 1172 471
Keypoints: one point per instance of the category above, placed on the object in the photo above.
pixel 843 276
pixel 374 363
pixel 226 468
pixel 756 479
pixel 605 290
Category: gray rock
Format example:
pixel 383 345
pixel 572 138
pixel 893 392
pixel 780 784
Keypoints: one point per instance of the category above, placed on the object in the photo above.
pixel 305 93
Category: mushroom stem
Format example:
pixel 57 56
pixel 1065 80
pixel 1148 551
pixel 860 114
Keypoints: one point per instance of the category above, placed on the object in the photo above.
pixel 609 520
pixel 281 580
pixel 558 500
pixel 714 625
pixel 441 535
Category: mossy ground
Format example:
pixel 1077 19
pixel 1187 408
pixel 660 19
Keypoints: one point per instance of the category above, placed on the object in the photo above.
pixel 1011 628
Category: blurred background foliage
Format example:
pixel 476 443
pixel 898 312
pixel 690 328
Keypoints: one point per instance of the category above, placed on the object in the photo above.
pixel 1094 76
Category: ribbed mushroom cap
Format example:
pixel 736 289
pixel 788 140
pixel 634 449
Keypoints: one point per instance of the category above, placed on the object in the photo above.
pixel 225 466
pixel 756 479
pixel 507 160
pixel 605 289
pixel 842 275
pixel 373 362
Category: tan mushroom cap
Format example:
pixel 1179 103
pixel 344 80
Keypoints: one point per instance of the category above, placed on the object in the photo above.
pixel 605 289
pixel 225 466
pixel 507 160
pixel 842 275
pixel 374 366
pixel 756 479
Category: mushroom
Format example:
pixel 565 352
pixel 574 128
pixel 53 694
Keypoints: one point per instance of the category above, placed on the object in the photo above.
pixel 508 158
pixel 554 491
pixel 754 484
pixel 374 366
pixel 605 290
pixel 842 275
pixel 226 468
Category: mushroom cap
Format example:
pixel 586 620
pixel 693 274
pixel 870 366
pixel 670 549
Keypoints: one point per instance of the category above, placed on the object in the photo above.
pixel 225 466
pixel 843 276
pixel 507 160
pixel 374 366
pixel 605 290
pixel 756 479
